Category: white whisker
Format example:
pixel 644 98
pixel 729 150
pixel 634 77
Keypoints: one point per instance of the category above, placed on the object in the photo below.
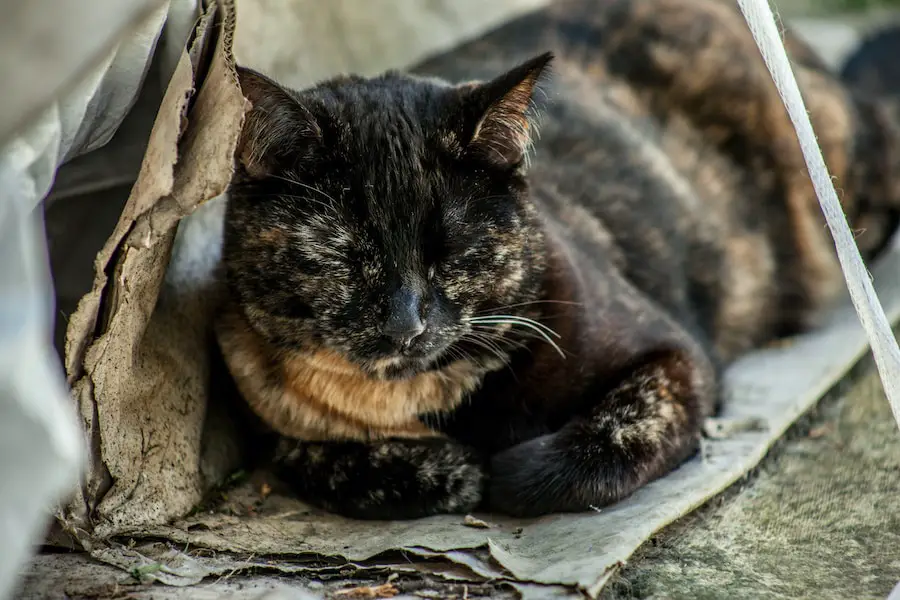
pixel 499 319
pixel 492 330
pixel 331 199
pixel 511 320
pixel 485 346
pixel 488 311
pixel 498 339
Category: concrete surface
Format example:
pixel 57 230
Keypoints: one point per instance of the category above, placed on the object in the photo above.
pixel 820 520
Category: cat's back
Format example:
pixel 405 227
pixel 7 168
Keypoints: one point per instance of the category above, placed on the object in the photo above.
pixel 604 142
pixel 655 151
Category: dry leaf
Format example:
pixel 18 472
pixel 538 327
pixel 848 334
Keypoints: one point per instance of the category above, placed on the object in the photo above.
pixel 386 590
pixel 264 490
pixel 471 521
pixel 820 431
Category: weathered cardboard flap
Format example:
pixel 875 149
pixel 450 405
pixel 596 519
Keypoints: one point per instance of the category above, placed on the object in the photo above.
pixel 136 369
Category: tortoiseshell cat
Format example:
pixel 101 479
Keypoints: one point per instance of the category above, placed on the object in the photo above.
pixel 436 323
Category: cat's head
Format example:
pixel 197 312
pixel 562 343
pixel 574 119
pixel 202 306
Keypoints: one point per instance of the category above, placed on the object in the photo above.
pixel 377 217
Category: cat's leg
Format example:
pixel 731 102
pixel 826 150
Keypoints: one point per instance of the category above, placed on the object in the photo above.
pixel 384 479
pixel 643 428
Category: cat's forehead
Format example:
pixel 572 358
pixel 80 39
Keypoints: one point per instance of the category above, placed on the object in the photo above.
pixel 380 134
pixel 384 160
pixel 387 106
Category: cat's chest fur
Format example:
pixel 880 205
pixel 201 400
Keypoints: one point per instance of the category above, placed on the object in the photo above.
pixel 319 395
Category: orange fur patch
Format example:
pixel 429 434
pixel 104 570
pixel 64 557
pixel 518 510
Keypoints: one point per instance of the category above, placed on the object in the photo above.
pixel 320 395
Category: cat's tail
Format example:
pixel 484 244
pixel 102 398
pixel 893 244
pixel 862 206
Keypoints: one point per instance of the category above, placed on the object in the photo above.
pixel 384 479
pixel 872 76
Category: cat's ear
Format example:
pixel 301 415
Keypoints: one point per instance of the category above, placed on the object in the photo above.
pixel 501 113
pixel 277 131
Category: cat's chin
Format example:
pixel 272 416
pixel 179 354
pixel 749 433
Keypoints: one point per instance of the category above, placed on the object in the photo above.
pixel 404 367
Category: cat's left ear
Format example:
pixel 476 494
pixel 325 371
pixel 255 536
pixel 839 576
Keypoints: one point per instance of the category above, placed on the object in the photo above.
pixel 500 113
pixel 278 130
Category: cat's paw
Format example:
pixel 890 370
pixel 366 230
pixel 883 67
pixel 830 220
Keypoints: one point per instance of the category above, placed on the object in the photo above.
pixel 550 474
pixel 525 482
pixel 391 479
pixel 642 430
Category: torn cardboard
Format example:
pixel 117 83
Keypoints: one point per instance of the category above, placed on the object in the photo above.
pixel 136 366
pixel 138 363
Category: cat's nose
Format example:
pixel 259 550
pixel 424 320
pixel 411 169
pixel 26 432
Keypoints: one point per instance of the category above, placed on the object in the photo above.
pixel 404 323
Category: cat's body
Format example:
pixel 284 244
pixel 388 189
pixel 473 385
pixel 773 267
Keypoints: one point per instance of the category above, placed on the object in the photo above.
pixel 664 226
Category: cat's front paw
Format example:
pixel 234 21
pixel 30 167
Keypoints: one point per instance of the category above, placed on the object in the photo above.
pixel 390 479
pixel 644 428
pixel 556 474
pixel 526 480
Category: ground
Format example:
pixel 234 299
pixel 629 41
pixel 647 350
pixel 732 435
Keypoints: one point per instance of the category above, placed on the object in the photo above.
pixel 820 518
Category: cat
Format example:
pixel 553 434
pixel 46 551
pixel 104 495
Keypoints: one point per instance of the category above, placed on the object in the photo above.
pixel 439 310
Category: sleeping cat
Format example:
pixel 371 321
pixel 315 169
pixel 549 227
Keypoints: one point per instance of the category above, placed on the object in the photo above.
pixel 441 310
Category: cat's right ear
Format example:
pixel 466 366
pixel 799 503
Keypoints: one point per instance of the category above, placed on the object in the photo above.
pixel 499 114
pixel 277 131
